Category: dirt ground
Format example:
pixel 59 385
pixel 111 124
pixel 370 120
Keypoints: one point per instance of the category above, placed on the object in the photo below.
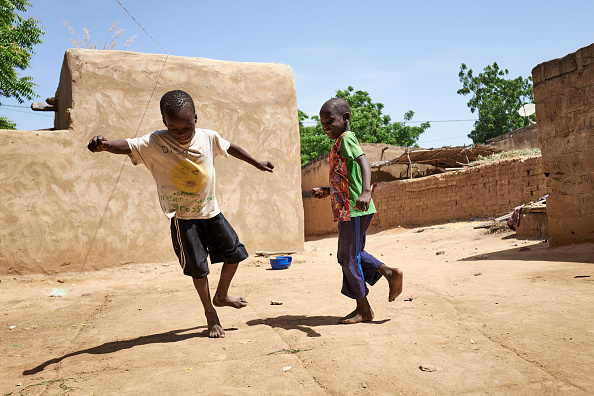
pixel 480 314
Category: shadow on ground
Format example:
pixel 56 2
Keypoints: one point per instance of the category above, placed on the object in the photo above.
pixel 540 252
pixel 110 347
pixel 303 323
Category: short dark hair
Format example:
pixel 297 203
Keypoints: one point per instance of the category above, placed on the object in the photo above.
pixel 336 105
pixel 175 101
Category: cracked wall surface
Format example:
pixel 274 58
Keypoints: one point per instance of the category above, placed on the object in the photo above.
pixel 564 98
pixel 64 208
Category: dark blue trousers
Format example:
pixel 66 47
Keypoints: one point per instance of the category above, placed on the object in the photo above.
pixel 358 266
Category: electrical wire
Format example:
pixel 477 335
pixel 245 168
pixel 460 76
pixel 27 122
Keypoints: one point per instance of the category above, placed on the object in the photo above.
pixel 406 122
pixel 142 27
pixel 136 134
pixel 28 112
pixel 22 107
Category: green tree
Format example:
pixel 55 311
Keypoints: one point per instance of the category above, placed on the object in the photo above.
pixel 17 38
pixel 367 122
pixel 371 126
pixel 497 100
pixel 314 142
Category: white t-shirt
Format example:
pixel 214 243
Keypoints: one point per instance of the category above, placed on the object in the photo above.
pixel 185 174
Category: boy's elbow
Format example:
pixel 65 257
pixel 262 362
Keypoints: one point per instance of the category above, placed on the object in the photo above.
pixel 362 160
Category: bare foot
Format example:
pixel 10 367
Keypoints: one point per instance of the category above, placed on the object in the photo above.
pixel 228 301
pixel 356 317
pixel 215 330
pixel 395 284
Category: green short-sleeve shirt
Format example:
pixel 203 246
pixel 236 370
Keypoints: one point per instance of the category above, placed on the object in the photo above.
pixel 350 150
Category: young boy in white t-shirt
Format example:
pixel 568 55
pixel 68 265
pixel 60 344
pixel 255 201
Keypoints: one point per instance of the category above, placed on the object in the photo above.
pixel 180 159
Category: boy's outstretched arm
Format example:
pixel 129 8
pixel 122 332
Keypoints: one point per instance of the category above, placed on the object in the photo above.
pixel 239 153
pixel 99 143
pixel 365 197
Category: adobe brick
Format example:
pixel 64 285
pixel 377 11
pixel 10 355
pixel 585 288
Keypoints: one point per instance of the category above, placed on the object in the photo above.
pixel 587 55
pixel 548 89
pixel 573 225
pixel 557 67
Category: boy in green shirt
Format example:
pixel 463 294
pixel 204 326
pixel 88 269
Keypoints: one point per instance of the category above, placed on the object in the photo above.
pixel 353 208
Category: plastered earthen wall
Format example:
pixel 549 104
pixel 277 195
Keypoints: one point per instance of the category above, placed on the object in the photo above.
pixel 401 171
pixel 373 151
pixel 64 208
pixel 523 138
pixel 564 98
pixel 315 173
pixel 488 190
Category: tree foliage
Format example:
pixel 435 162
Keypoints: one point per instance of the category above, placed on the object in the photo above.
pixel 371 126
pixel 314 142
pixel 496 99
pixel 367 122
pixel 17 38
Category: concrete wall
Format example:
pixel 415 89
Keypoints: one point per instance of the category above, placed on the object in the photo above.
pixel 564 98
pixel 64 208
pixel 488 190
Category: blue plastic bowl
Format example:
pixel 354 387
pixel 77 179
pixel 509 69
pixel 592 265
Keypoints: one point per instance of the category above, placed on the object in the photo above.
pixel 279 263
pixel 289 258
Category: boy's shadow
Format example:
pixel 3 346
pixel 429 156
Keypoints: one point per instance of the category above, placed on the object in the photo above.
pixel 303 323
pixel 114 346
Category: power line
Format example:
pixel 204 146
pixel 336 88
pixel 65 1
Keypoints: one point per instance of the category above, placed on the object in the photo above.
pixel 407 122
pixel 439 140
pixel 22 107
pixel 142 27
pixel 29 112
pixel 316 122
pixel 412 122
pixel 137 130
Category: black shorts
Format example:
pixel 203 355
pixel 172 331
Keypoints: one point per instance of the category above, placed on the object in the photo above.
pixel 194 240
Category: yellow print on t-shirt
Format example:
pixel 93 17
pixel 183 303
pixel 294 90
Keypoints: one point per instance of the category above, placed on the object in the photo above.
pixel 189 177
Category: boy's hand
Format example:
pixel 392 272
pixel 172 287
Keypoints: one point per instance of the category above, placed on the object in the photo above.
pixel 265 166
pixel 363 201
pixel 320 192
pixel 98 144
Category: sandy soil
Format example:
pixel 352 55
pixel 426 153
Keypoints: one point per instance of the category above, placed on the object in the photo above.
pixel 490 315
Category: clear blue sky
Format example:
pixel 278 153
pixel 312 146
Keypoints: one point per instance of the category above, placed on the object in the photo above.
pixel 407 55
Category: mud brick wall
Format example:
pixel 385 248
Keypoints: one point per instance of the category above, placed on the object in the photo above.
pixel 483 191
pixel 564 98
pixel 489 190
pixel 523 138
